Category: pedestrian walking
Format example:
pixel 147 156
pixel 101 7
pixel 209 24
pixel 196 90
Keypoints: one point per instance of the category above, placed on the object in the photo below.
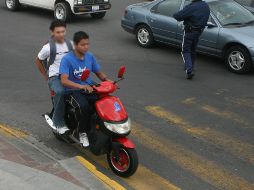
pixel 195 17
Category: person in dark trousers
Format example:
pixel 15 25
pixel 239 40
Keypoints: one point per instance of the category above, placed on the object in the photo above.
pixel 78 92
pixel 195 17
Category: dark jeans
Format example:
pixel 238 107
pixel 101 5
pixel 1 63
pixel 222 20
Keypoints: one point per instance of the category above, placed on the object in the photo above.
pixel 84 105
pixel 189 47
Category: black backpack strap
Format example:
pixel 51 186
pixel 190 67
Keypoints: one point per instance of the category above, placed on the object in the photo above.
pixel 69 44
pixel 53 52
pixel 52 56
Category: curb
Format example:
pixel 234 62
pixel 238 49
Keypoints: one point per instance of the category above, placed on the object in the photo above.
pixel 105 179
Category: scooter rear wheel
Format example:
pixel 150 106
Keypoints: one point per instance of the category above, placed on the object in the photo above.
pixel 127 163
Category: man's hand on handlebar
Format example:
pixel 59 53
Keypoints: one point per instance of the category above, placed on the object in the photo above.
pixel 88 89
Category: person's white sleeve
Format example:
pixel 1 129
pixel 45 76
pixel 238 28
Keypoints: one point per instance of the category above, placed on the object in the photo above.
pixel 44 53
pixel 72 43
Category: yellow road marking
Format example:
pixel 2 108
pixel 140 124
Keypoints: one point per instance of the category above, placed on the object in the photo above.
pixel 140 179
pixel 231 144
pixel 12 132
pixel 190 100
pixel 109 182
pixel 207 170
pixel 223 114
pixel 247 102
pixel 146 179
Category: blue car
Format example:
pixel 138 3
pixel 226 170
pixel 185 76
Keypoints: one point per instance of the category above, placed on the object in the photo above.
pixel 229 33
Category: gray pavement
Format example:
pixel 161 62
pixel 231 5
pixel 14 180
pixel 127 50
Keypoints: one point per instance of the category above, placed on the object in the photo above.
pixel 215 110
pixel 17 176
pixel 26 163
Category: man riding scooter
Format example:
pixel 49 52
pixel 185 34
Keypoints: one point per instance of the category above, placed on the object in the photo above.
pixel 48 63
pixel 78 92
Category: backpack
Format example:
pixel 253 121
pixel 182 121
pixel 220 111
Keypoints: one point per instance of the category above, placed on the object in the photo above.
pixel 52 56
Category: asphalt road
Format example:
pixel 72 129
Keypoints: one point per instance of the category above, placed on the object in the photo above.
pixel 192 135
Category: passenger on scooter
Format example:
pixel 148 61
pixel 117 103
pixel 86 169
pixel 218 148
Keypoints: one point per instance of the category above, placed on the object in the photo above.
pixel 48 63
pixel 78 92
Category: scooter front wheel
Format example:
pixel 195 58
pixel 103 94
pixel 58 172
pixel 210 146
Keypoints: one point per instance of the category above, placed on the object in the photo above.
pixel 125 163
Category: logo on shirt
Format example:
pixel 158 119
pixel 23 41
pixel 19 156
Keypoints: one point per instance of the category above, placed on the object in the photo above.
pixel 78 72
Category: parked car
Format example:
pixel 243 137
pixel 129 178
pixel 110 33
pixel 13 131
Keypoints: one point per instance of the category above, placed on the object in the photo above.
pixel 229 33
pixel 64 9
pixel 249 4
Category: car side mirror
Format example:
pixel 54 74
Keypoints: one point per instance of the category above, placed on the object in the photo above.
pixel 153 11
pixel 210 25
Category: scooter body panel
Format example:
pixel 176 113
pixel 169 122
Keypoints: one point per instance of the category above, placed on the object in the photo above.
pixel 127 143
pixel 110 108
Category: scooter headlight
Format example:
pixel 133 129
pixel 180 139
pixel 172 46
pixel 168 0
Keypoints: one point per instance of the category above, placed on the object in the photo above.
pixel 121 128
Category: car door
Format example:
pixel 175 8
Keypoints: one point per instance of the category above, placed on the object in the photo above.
pixel 48 4
pixel 209 38
pixel 161 20
pixel 29 2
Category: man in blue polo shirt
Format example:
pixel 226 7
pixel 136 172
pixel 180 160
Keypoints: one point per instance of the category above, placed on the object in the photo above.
pixel 78 91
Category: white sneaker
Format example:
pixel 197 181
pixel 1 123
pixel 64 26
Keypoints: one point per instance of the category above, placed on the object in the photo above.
pixel 50 122
pixel 83 139
pixel 62 130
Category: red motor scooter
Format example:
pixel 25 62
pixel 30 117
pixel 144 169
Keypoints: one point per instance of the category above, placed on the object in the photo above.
pixel 110 126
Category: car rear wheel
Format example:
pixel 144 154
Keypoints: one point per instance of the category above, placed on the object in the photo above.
pixel 63 12
pixel 98 15
pixel 144 36
pixel 12 5
pixel 238 60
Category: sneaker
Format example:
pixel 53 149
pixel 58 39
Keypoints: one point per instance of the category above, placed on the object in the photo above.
pixel 189 76
pixel 62 130
pixel 83 139
pixel 50 122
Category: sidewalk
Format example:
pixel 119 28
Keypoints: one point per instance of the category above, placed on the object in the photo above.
pixel 24 165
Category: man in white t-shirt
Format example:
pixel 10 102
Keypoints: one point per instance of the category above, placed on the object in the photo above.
pixel 48 63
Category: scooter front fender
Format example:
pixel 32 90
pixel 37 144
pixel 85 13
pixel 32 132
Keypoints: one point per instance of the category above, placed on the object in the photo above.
pixel 127 143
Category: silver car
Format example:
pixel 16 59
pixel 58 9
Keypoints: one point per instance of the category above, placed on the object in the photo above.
pixel 229 33
pixel 249 4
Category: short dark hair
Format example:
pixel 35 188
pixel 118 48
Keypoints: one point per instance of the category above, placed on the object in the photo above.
pixel 57 23
pixel 78 36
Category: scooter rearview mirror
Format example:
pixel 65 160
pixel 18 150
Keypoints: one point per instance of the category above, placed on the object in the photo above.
pixel 85 75
pixel 121 72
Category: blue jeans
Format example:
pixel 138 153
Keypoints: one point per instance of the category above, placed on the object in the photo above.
pixel 190 43
pixel 58 101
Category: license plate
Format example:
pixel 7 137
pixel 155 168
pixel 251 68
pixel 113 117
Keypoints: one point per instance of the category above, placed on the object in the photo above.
pixel 95 8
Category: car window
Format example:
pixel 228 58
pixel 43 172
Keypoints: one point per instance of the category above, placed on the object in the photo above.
pixel 187 2
pixel 249 3
pixel 230 13
pixel 167 7
pixel 211 20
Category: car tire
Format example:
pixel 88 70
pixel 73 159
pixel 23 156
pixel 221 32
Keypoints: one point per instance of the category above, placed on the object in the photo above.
pixel 144 36
pixel 12 5
pixel 63 12
pixel 99 15
pixel 238 60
